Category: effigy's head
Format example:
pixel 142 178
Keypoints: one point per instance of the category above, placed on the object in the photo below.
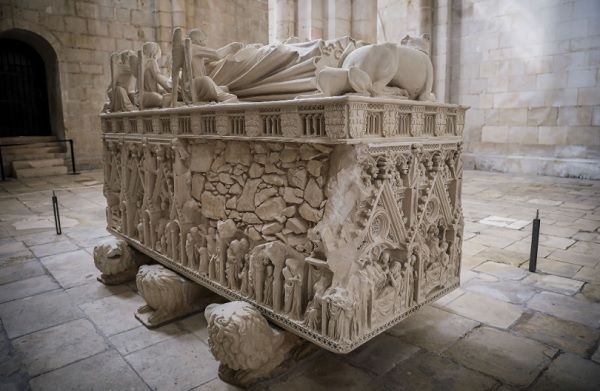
pixel 239 336
pixel 151 49
pixel 198 37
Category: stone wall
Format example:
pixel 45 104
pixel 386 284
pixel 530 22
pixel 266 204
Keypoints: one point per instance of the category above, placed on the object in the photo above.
pixel 84 33
pixel 528 69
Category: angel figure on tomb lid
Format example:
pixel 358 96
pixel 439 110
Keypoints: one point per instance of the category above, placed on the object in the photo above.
pixel 121 93
pixel 155 87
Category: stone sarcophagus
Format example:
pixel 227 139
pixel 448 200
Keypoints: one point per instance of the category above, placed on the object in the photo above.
pixel 336 217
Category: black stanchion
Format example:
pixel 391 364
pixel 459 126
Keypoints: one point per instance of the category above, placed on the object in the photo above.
pixel 56 214
pixel 535 239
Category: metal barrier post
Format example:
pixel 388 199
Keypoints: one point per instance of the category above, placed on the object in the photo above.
pixel 72 157
pixel 56 214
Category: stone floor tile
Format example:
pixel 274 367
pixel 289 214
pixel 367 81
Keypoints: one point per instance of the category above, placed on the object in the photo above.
pixel 446 299
pixel 11 248
pixel 555 242
pixel 485 309
pixel 195 324
pixel 471 248
pixel 217 385
pixel 327 372
pixel 28 287
pixel 589 274
pixel 467 275
pixel 72 268
pixel 524 247
pixel 574 257
pixel 20 271
pixel 565 232
pixel 504 222
pixel 566 307
pixel 43 250
pixel 60 345
pixel 512 359
pixel 545 202
pixel 566 286
pixel 507 290
pixel 34 313
pixel 591 292
pixel 94 290
pixel 104 371
pixel 493 241
pixel 587 248
pixel 504 256
pixel 428 371
pixel 179 363
pixel 141 337
pixel 568 336
pixel 587 236
pixel 502 271
pixel 381 354
pixel 569 372
pixel 557 268
pixel 49 236
pixel 432 328
pixel 469 262
pixel 114 314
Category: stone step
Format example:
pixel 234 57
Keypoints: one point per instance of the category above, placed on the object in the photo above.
pixel 34 156
pixel 33 146
pixel 20 140
pixel 18 164
pixel 39 172
pixel 17 154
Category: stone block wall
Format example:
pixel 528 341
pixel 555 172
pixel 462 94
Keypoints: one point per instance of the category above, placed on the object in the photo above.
pixel 528 69
pixel 84 33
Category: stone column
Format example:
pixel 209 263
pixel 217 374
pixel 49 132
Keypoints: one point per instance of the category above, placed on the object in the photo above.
pixel 164 25
pixel 310 19
pixel 178 13
pixel 285 19
pixel 364 20
pixel 337 18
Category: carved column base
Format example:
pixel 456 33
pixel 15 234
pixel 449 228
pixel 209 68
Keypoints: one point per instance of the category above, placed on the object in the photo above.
pixel 249 348
pixel 168 296
pixel 117 262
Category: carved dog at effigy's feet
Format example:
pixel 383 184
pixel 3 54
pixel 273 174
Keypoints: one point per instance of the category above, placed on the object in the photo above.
pixel 248 347
pixel 387 69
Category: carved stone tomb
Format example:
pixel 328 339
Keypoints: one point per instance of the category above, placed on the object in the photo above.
pixel 335 217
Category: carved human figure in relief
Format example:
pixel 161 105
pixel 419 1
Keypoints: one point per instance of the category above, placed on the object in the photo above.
pixel 211 249
pixel 192 245
pixel 292 289
pixel 313 314
pixel 155 85
pixel 203 88
pixel 268 285
pixel 235 254
pixel 243 275
pixel 340 314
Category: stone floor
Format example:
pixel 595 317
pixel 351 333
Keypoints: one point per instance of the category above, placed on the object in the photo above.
pixel 505 328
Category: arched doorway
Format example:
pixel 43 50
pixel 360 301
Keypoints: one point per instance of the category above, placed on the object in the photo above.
pixel 24 107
